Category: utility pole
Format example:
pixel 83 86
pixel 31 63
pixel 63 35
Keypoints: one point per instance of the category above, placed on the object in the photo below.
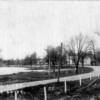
pixel 60 63
pixel 69 60
pixel 49 63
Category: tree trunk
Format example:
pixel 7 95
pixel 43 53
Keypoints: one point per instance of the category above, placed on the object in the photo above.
pixel 82 62
pixel 77 65
pixel 76 69
pixel 95 59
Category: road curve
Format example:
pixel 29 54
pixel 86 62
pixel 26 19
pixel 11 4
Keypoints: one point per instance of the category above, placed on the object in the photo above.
pixel 17 86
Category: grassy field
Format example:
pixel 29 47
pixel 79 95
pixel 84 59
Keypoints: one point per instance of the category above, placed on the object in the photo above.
pixel 36 76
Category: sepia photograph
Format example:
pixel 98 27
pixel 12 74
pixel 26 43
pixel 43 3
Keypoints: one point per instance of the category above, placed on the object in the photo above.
pixel 49 50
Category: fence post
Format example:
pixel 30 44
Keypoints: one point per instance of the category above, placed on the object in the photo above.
pixel 45 93
pixel 65 87
pixel 80 81
pixel 15 95
pixel 98 75
pixel 90 76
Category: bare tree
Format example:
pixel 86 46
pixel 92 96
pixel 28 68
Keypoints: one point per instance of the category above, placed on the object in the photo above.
pixel 78 47
pixel 93 49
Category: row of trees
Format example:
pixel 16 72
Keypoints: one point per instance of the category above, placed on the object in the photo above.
pixel 28 60
pixel 78 49
pixel 55 55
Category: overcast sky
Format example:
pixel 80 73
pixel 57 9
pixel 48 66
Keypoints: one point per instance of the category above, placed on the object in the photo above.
pixel 28 26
